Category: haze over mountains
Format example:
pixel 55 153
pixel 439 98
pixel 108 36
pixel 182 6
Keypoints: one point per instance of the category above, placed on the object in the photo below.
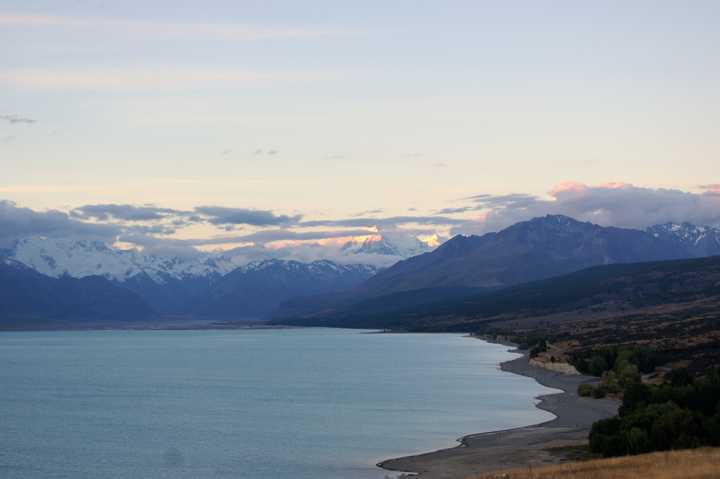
pixel 134 285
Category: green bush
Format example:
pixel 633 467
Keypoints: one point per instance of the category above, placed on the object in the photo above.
pixel 659 418
pixel 540 347
pixel 598 365
pixel 597 362
pixel 599 392
pixel 585 390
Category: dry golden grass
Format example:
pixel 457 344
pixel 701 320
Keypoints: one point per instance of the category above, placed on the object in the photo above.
pixel 688 464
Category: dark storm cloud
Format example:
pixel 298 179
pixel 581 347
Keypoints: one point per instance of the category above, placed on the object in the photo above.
pixel 220 215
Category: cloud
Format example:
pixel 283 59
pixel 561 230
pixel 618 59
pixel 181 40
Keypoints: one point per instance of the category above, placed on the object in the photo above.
pixel 512 200
pixel 106 212
pixel 611 204
pixel 223 217
pixel 16 119
pixel 269 236
pixel 220 215
pixel 453 211
pixel 149 230
pixel 712 189
pixel 385 222
pixel 168 29
pixel 265 152
pixel 17 222
pixel 154 78
pixel 376 211
pixel 259 237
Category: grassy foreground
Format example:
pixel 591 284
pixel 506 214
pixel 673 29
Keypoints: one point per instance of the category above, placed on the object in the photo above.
pixel 686 464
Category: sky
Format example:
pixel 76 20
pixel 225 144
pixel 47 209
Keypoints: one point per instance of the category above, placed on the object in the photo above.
pixel 258 122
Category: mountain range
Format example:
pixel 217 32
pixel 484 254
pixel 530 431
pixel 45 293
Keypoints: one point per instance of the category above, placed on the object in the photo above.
pixel 29 297
pixel 541 248
pixel 203 285
pixel 528 251
pixel 222 285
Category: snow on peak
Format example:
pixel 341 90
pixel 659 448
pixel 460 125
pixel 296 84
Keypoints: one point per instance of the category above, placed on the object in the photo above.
pixel 317 266
pixel 705 239
pixel 400 245
pixel 78 258
pixel 57 257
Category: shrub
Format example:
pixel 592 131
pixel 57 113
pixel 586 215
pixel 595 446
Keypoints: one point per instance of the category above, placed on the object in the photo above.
pixel 658 418
pixel 585 390
pixel 599 392
pixel 597 365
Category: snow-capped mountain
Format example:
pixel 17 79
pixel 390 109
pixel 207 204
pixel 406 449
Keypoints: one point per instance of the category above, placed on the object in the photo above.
pixel 177 284
pixel 259 287
pixel 699 241
pixel 527 251
pixel 314 267
pixel 401 246
pixel 78 258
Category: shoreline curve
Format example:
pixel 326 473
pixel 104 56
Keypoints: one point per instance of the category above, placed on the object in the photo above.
pixel 521 446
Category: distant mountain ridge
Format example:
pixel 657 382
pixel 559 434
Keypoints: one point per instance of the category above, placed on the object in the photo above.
pixel 387 245
pixel 222 285
pixel 259 287
pixel 27 296
pixel 187 285
pixel 77 258
pixel 697 241
pixel 619 285
pixel 537 249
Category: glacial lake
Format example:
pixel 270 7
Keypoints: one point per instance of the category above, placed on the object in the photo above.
pixel 255 404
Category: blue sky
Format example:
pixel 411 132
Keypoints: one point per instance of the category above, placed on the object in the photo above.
pixel 330 109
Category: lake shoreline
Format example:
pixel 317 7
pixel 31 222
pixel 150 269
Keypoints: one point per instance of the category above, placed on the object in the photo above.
pixel 518 447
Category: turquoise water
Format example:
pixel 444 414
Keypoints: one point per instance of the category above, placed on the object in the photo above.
pixel 256 404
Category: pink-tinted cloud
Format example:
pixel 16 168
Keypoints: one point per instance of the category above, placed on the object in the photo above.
pixel 712 189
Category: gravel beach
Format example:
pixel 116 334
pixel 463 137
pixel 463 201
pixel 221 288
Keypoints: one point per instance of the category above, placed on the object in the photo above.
pixel 525 446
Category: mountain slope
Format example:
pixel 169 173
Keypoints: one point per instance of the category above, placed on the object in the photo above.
pixel 209 283
pixel 697 241
pixel 28 295
pixel 601 288
pixel 258 288
pixel 527 251
pixel 388 244
pixel 78 258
